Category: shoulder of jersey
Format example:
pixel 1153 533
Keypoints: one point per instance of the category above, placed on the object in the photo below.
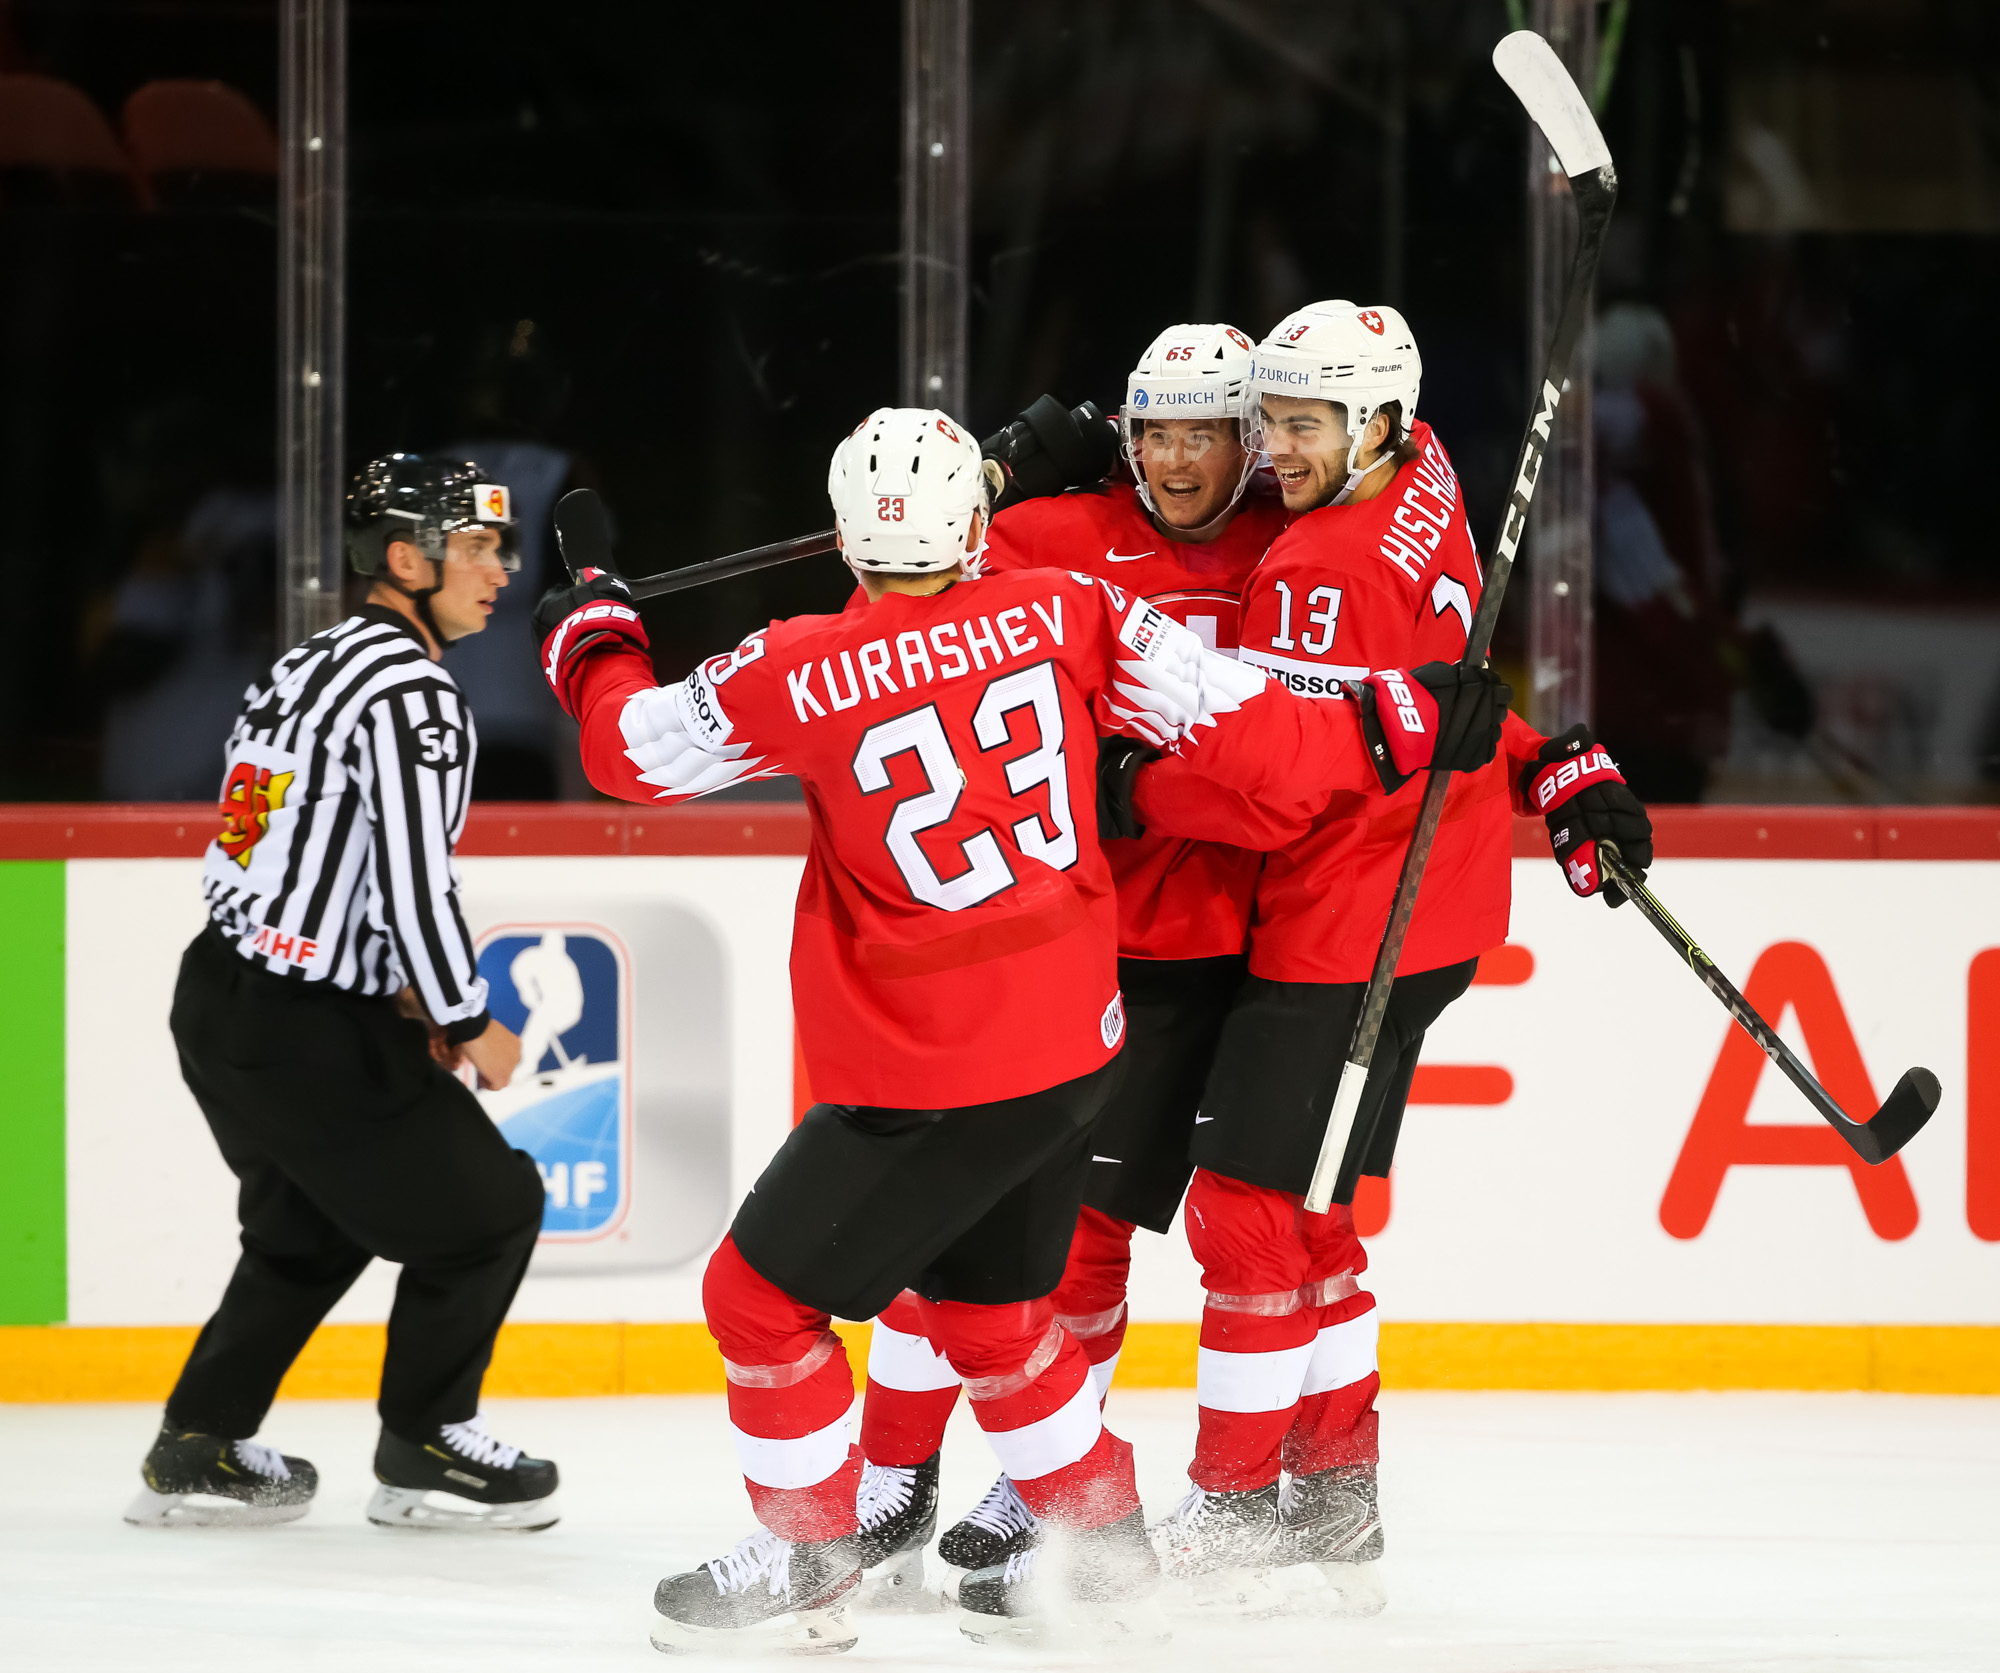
pixel 392 654
pixel 1101 505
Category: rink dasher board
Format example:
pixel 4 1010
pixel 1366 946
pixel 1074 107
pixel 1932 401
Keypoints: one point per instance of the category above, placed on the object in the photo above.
pixel 1542 1208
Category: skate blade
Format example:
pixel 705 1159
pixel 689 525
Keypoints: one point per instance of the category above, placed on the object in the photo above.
pixel 1130 1624
pixel 897 1587
pixel 802 1632
pixel 1226 1593
pixel 428 1510
pixel 1328 1590
pixel 206 1510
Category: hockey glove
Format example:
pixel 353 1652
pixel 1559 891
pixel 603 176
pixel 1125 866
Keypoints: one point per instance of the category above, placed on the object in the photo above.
pixel 573 623
pixel 1442 716
pixel 1578 789
pixel 1118 764
pixel 1046 450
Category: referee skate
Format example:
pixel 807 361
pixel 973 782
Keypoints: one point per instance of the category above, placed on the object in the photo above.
pixel 1062 1058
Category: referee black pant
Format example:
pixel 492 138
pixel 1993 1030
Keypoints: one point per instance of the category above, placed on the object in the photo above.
pixel 349 1143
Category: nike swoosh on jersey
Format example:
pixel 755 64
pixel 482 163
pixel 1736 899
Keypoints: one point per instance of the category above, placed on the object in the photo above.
pixel 1113 556
pixel 1104 1159
pixel 1198 1120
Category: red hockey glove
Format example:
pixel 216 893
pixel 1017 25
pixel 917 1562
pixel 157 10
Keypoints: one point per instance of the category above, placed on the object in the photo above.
pixel 573 623
pixel 1441 715
pixel 1578 789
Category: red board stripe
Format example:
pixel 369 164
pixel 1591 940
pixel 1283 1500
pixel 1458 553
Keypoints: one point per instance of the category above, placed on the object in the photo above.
pixel 106 830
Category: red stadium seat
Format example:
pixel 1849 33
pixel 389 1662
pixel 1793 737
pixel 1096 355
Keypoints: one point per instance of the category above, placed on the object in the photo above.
pixel 197 128
pixel 49 128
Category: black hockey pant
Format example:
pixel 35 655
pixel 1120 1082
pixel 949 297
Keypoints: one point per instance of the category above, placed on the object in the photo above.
pixel 349 1143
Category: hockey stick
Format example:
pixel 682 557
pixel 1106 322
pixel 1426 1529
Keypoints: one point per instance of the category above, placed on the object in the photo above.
pixel 1529 66
pixel 1874 1140
pixel 583 532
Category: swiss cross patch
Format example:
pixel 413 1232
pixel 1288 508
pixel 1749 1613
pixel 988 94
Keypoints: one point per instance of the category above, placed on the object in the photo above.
pixel 1371 319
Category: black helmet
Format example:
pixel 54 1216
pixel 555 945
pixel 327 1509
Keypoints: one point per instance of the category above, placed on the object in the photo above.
pixel 404 496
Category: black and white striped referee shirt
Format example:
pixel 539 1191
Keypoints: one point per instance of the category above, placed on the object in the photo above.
pixel 345 791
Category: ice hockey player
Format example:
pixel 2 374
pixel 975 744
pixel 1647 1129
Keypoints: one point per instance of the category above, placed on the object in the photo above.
pixel 1183 533
pixel 1376 570
pixel 955 983
pixel 317 1016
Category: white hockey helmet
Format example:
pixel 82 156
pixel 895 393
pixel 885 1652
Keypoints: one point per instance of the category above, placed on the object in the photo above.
pixel 1189 371
pixel 1359 358
pixel 905 487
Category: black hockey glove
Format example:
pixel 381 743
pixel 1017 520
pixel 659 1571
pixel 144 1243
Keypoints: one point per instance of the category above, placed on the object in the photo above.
pixel 1046 450
pixel 571 622
pixel 1578 789
pixel 1118 764
pixel 1440 716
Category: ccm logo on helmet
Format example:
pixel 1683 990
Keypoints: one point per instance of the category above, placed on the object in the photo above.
pixel 1557 782
pixel 1406 704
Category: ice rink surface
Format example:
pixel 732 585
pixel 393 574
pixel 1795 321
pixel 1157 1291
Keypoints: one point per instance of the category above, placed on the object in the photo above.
pixel 1736 1533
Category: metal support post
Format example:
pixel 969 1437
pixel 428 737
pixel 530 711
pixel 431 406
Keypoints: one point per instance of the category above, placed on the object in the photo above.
pixel 1560 568
pixel 937 187
pixel 312 276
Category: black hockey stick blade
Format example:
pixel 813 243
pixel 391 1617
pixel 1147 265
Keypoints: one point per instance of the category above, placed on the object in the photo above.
pixel 583 532
pixel 1874 1139
pixel 1900 1119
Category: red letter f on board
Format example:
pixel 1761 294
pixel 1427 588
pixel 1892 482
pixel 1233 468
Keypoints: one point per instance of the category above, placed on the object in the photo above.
pixel 1722 1136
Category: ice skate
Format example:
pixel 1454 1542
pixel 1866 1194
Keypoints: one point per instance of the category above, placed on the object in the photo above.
pixel 998 1527
pixel 1101 1586
pixel 202 1481
pixel 898 1512
pixel 462 1479
pixel 767 1596
pixel 1329 1542
pixel 1214 1549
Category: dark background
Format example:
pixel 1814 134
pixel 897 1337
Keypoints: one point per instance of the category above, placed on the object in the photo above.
pixel 661 242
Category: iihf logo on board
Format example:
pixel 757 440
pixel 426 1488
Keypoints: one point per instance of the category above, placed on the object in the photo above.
pixel 566 989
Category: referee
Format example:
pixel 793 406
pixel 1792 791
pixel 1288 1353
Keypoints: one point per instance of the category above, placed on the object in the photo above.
pixel 319 1016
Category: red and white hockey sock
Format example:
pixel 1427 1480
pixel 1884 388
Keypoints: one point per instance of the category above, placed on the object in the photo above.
pixel 1032 1393
pixel 1336 1422
pixel 1256 1336
pixel 1090 1300
pixel 789 1393
pixel 911 1389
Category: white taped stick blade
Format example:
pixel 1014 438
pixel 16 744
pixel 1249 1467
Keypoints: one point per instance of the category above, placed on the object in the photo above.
pixel 1529 65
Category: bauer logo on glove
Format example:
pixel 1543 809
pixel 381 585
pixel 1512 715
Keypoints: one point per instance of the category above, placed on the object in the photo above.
pixel 1577 788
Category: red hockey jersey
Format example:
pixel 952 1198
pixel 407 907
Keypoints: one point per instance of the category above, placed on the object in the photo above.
pixel 1177 897
pixel 955 937
pixel 1388 582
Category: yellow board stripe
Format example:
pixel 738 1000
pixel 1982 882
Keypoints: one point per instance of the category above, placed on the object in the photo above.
pixel 343 1362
